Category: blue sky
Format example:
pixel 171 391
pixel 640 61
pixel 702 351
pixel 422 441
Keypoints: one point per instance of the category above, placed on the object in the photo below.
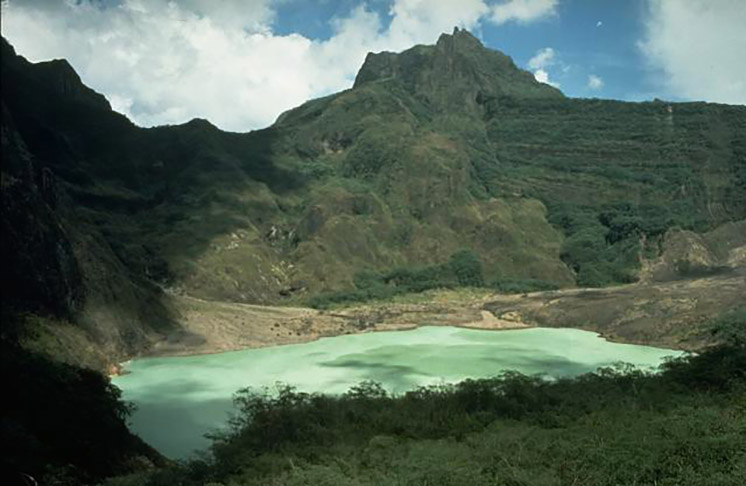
pixel 588 37
pixel 241 63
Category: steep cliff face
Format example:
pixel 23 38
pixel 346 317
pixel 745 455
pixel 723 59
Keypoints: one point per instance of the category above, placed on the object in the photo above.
pixel 435 150
pixel 39 266
pixel 687 254
pixel 56 261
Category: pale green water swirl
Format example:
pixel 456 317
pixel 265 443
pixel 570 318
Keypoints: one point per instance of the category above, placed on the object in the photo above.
pixel 179 399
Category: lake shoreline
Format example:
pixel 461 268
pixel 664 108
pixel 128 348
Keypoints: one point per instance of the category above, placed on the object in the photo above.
pixel 121 368
pixel 669 315
pixel 209 327
pixel 192 394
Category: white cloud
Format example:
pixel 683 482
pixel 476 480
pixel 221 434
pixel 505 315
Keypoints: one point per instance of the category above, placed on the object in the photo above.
pixel 523 10
pixel 543 58
pixel 595 82
pixel 167 62
pixel 160 62
pixel 599 23
pixel 543 77
pixel 697 47
pixel 540 62
pixel 416 21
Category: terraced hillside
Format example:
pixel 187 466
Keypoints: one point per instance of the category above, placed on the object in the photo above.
pixel 616 175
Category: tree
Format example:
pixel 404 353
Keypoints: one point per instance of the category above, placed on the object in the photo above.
pixel 467 267
pixel 731 327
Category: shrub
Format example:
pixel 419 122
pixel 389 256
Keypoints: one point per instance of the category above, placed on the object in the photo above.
pixel 521 286
pixel 731 327
pixel 467 267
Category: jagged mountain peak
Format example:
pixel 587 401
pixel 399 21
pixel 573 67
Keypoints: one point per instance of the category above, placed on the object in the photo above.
pixel 56 76
pixel 453 72
pixel 6 48
pixel 201 124
pixel 61 77
pixel 461 38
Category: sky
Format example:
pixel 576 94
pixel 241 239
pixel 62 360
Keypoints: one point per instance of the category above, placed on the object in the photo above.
pixel 240 63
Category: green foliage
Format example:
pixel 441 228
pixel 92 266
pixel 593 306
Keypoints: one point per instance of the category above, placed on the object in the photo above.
pixel 407 280
pixel 603 244
pixel 463 269
pixel 731 327
pixel 467 267
pixel 522 286
pixel 62 424
pixel 608 180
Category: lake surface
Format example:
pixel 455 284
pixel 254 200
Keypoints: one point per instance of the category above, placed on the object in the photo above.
pixel 179 399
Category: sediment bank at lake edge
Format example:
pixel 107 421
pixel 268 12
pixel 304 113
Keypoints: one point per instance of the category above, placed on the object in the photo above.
pixel 669 314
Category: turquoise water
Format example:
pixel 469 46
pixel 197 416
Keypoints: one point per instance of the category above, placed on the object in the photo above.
pixel 179 399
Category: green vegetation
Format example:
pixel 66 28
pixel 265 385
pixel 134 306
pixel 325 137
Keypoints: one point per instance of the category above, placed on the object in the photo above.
pixel 463 269
pixel 61 424
pixel 731 327
pixel 466 266
pixel 614 175
pixel 373 286
pixel 434 150
pixel 619 426
pixel 604 247
pixel 522 286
